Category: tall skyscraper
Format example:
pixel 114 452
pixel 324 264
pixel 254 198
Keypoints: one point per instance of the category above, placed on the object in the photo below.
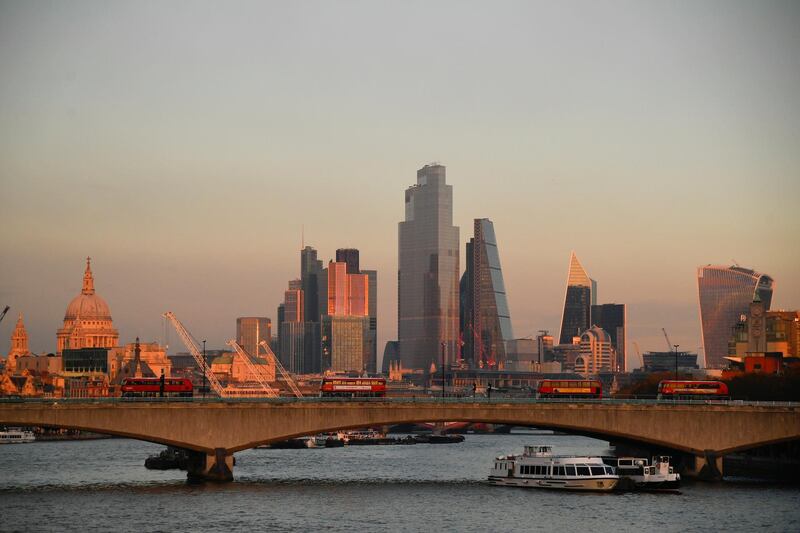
pixel 612 319
pixel 581 294
pixel 349 256
pixel 310 273
pixel 487 319
pixel 372 351
pixel 428 273
pixel 725 294
pixel 250 330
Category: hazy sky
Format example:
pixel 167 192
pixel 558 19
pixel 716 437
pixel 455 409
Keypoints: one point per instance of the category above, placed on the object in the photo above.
pixel 183 144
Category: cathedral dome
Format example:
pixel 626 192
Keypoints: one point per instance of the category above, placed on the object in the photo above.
pixel 88 305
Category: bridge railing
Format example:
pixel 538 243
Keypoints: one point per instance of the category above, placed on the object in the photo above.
pixel 398 400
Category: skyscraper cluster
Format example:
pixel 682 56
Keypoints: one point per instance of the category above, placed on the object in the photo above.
pixel 328 319
pixel 592 337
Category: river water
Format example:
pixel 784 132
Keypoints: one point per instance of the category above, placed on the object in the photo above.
pixel 102 485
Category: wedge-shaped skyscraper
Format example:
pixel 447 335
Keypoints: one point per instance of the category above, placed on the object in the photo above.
pixel 581 294
pixel 486 320
pixel 725 295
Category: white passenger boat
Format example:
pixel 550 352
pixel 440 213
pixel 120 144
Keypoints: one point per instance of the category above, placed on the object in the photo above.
pixel 16 436
pixel 538 468
pixel 637 473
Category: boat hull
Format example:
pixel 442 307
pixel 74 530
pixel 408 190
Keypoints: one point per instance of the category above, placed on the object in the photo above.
pixel 594 484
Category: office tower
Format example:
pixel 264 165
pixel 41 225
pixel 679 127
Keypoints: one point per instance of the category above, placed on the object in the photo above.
pixel 314 283
pixel 487 322
pixel 612 319
pixel 544 346
pixel 338 289
pixel 344 341
pixel 596 352
pixel 428 272
pixel 349 256
pixel 372 351
pixel 310 273
pixel 725 294
pixel 581 294
pixel 293 329
pixel 250 330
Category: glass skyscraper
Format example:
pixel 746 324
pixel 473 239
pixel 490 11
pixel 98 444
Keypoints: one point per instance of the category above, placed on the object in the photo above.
pixel 580 296
pixel 486 320
pixel 428 272
pixel 726 294
pixel 611 318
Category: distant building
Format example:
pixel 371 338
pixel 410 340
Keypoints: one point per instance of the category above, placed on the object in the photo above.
pixel 138 359
pixel 314 282
pixel 251 330
pixel 596 352
pixel 349 256
pixel 612 319
pixel 19 345
pixel 87 321
pixel 544 346
pixel 665 361
pixel 761 332
pixel 581 294
pixel 372 350
pixel 391 355
pixel 725 295
pixel 344 342
pixel 521 354
pixel 428 272
pixel 486 321
pixel 85 360
pixel 292 333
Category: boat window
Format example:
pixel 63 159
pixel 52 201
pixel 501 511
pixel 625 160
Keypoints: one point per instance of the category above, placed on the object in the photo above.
pixel 609 470
pixel 597 471
pixel 571 470
pixel 583 470
pixel 560 471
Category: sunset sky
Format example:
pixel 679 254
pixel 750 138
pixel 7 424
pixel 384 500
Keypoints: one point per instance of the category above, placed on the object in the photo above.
pixel 183 145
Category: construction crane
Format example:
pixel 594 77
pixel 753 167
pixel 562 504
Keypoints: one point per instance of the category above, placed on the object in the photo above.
pixel 3 314
pixel 190 344
pixel 287 377
pixel 638 353
pixel 669 344
pixel 256 374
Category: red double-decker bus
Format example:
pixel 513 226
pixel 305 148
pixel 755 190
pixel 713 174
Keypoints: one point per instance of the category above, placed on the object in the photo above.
pixel 151 388
pixel 692 390
pixel 344 387
pixel 569 388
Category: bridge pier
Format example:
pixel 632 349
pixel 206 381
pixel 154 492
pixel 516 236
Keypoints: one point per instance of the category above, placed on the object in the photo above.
pixel 707 467
pixel 217 466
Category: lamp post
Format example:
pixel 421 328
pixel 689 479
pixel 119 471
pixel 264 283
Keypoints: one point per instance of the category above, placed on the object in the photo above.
pixel 676 360
pixel 204 368
pixel 443 346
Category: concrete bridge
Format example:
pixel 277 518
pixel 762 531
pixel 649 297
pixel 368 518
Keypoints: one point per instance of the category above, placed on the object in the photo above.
pixel 214 430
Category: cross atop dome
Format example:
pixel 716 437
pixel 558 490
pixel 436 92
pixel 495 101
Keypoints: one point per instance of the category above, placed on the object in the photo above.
pixel 88 280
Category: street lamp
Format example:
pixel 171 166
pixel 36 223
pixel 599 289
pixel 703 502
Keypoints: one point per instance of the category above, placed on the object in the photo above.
pixel 204 368
pixel 443 345
pixel 676 360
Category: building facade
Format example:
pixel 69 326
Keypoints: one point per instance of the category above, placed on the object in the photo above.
pixel 87 321
pixel 725 294
pixel 612 319
pixel 596 352
pixel 344 342
pixel 19 345
pixel 251 330
pixel 349 256
pixel 428 273
pixel 581 293
pixel 486 324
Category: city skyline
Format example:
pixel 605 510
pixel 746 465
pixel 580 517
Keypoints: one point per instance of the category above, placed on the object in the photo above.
pixel 189 169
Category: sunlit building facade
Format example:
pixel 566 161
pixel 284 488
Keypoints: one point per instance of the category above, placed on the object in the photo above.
pixel 725 294
pixel 486 320
pixel 87 321
pixel 596 352
pixel 428 273
pixel 251 330
pixel 581 294
pixel 344 342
